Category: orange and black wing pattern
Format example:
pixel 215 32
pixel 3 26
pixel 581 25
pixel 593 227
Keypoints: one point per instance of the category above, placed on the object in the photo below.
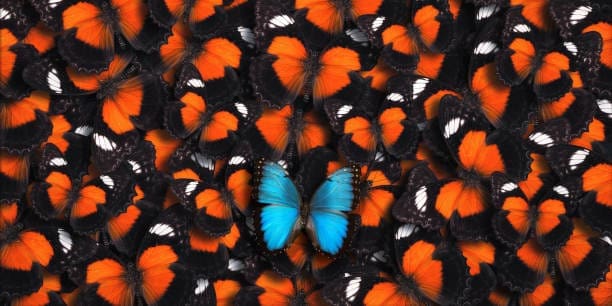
pixel 602 29
pixel 592 169
pixel 156 277
pixel 220 61
pixel 205 254
pixel 480 258
pixel 278 131
pixel 526 55
pixel 596 296
pixel 378 183
pixel 429 272
pixel 14 57
pixel 433 203
pixel 217 126
pixel 363 134
pixel 30 249
pixel 215 291
pixel 465 200
pixel 14 175
pixel 546 216
pixel 24 123
pixel 582 261
pixel 201 15
pixel 127 228
pixel 93 31
pixel 422 94
pixel 195 185
pixel 426 36
pixel 549 292
pixel 271 288
pixel 503 105
pixel 289 69
pixel 64 195
pixel 475 147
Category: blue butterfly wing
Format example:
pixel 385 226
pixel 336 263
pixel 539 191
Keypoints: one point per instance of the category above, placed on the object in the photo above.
pixel 281 202
pixel 328 221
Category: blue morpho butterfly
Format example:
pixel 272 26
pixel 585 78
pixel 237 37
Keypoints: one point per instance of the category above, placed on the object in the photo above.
pixel 325 218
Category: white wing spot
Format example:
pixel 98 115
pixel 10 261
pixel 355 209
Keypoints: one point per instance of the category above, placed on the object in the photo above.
pixel 395 97
pixel 4 14
pixel 352 288
pixel 280 21
pixel 579 14
pixel 420 198
pixel 104 143
pixel 357 36
pixel 237 160
pixel 486 47
pixel 377 23
pixel 84 130
pixel 65 240
pixel 486 11
pixel 190 187
pixel 202 284
pixel 343 110
pixel 452 126
pixel 521 28
pixel 58 162
pixel 242 109
pixel 507 187
pixel 135 166
pixel 108 181
pixel 605 106
pixel 247 35
pixel 235 265
pixel 571 47
pixel 418 86
pixel 54 3
pixel 203 161
pixel 561 190
pixel 162 229
pixel 406 230
pixel 54 82
pixel 283 164
pixel 577 158
pixel 195 83
pixel 541 139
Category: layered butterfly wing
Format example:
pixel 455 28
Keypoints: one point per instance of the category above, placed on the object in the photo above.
pixel 328 224
pixel 282 205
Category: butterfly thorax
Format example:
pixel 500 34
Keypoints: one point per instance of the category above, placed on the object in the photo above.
pixel 108 88
pixel 406 285
pixel 10 233
pixel 299 299
pixel 470 177
pixel 72 196
pixel 132 275
pixel 364 188
pixel 375 127
pixel 345 7
pixel 304 214
pixel 186 9
pixel 311 68
pixel 193 49
pixel 109 15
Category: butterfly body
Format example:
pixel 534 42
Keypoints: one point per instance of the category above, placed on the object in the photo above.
pixel 284 213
